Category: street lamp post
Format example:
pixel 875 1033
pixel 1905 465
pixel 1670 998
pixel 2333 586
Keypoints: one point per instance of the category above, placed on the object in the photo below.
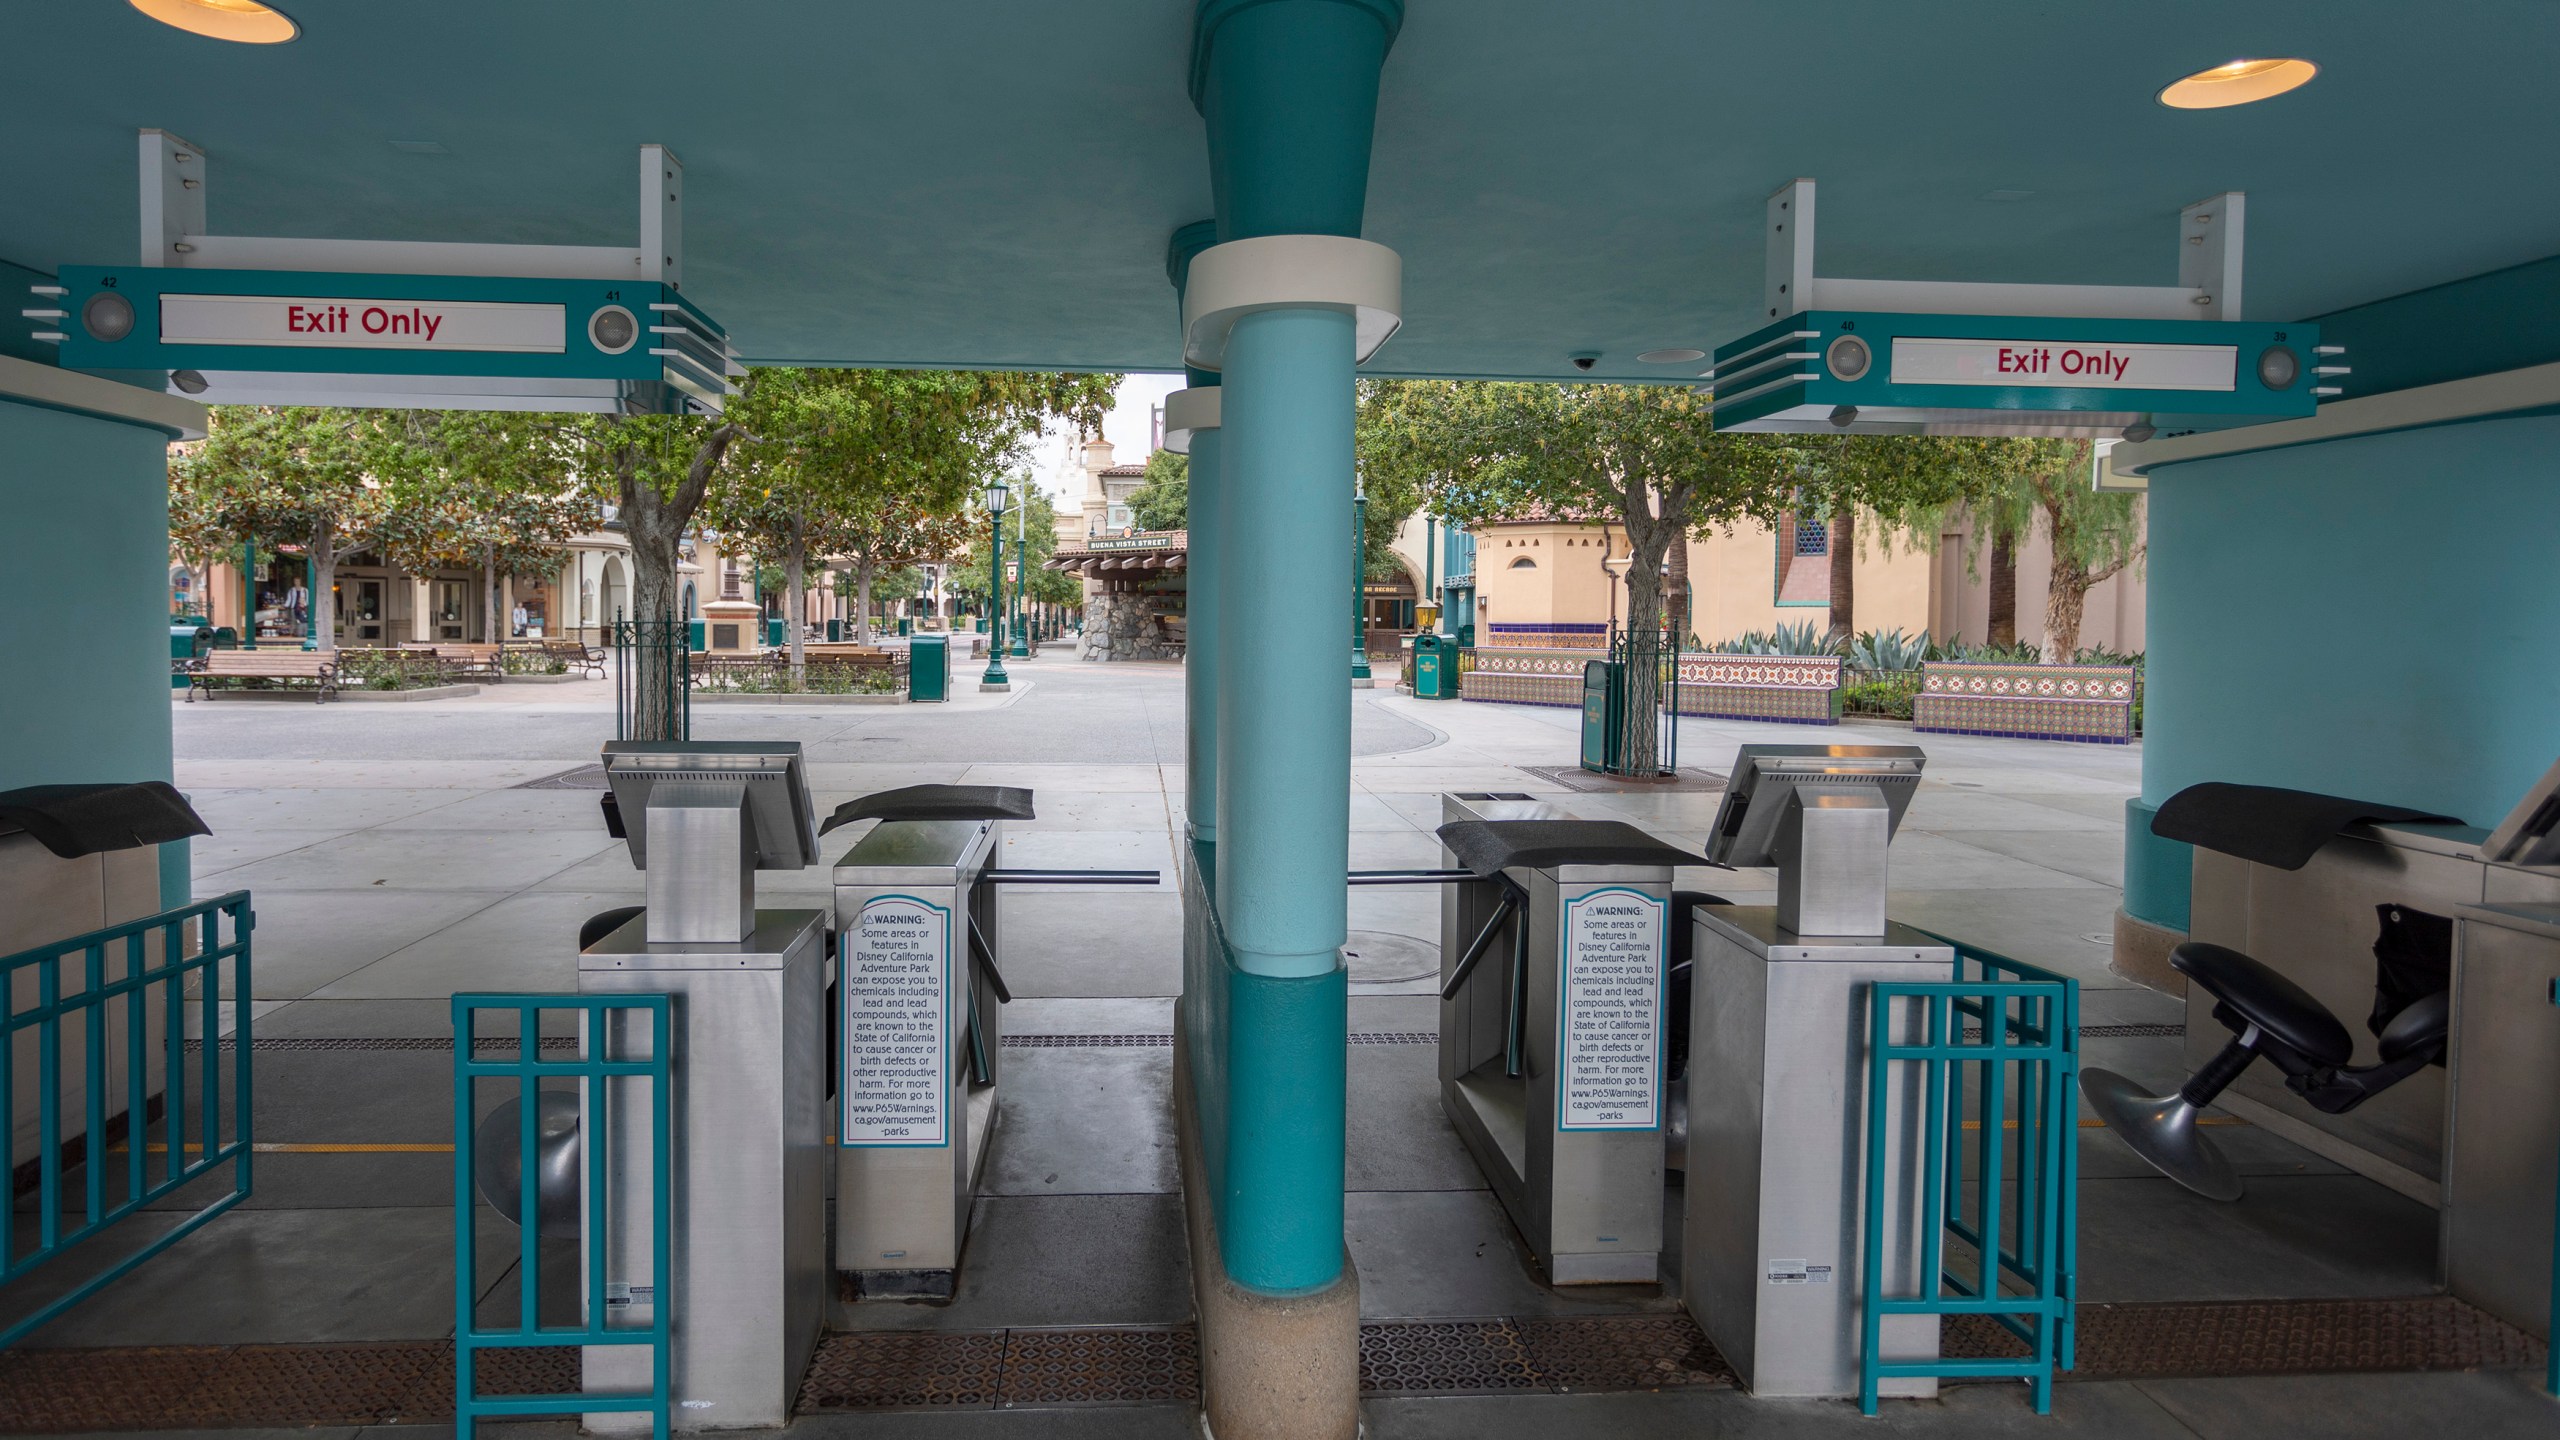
pixel 1022 577
pixel 1360 677
pixel 995 678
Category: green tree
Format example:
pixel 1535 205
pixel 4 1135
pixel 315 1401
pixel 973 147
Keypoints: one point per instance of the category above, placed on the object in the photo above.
pixel 1644 457
pixel 2094 535
pixel 1905 484
pixel 490 491
pixel 305 473
pixel 1164 502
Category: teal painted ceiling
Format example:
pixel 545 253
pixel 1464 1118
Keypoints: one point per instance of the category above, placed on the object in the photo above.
pixel 991 182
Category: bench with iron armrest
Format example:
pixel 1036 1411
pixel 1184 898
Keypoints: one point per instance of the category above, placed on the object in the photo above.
pixel 320 667
pixel 2270 1016
pixel 574 654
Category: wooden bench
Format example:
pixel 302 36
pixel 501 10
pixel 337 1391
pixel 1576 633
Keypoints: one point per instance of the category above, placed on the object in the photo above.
pixel 574 654
pixel 317 666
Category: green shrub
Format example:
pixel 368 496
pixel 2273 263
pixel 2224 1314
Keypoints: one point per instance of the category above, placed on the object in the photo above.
pixel 1888 695
pixel 372 669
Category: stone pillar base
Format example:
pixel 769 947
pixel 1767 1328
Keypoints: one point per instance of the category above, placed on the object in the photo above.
pixel 1272 1367
pixel 2141 954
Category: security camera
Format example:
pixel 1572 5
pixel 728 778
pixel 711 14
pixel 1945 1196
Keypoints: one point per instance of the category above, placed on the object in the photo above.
pixel 1585 360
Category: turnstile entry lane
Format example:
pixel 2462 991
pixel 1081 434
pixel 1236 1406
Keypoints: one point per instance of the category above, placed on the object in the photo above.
pixel 1554 939
pixel 919 1030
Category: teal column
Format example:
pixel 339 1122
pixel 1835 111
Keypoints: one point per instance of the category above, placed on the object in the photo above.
pixel 97 493
pixel 1289 91
pixel 1205 652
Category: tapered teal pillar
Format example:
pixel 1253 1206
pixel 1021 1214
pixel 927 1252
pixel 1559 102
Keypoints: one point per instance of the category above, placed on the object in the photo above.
pixel 1282 308
pixel 1203 651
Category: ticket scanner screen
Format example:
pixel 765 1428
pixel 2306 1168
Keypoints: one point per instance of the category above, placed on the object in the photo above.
pixel 781 817
pixel 1764 776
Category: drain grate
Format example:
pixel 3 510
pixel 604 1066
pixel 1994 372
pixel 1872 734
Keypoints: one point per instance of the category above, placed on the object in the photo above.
pixel 904 1370
pixel 1110 1367
pixel 53 1392
pixel 1612 1352
pixel 2132 1032
pixel 2186 1340
pixel 1394 1037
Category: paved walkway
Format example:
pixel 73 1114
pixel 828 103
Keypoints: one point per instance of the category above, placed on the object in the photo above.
pixel 397 855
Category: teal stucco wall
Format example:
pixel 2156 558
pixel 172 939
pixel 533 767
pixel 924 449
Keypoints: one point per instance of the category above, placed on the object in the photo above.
pixel 2372 617
pixel 84 652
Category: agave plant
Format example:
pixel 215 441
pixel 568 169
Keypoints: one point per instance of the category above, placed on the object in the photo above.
pixel 1893 650
pixel 2022 653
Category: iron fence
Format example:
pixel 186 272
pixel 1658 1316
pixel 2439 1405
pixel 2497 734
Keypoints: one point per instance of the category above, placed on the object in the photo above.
pixel 616 1307
pixel 109 1011
pixel 1998 1046
pixel 652 696
pixel 1644 681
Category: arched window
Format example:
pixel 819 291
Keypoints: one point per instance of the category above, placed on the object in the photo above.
pixel 1523 562
pixel 689 611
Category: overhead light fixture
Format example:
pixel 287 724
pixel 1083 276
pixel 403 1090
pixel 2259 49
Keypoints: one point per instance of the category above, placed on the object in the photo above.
pixel 1844 416
pixel 1674 356
pixel 2238 83
pixel 192 382
pixel 244 21
pixel 2139 431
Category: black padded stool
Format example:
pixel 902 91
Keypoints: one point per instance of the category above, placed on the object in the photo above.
pixel 2271 1017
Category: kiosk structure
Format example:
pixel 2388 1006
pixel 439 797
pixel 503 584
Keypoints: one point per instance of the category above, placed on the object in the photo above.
pixel 920 1044
pixel 749 1230
pixel 1551 1030
pixel 1778 1045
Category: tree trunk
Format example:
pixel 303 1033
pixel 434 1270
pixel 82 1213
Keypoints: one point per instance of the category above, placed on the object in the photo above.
pixel 1649 537
pixel 2064 605
pixel 1675 585
pixel 493 602
pixel 795 561
pixel 324 585
pixel 2004 590
pixel 1843 541
pixel 654 523
pixel 862 598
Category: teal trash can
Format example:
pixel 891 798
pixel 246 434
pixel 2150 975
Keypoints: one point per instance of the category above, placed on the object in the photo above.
pixel 773 635
pixel 835 631
pixel 982 624
pixel 928 669
pixel 693 636
pixel 189 639
pixel 1435 668
pixel 1600 715
pixel 906 626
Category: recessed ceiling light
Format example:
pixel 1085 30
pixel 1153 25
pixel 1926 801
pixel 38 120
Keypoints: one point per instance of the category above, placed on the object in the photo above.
pixel 1671 357
pixel 245 21
pixel 2238 83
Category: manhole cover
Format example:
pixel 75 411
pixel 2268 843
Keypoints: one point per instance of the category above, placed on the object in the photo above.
pixel 1378 958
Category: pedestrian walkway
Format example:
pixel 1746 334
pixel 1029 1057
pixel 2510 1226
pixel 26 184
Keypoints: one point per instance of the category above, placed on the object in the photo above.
pixel 401 853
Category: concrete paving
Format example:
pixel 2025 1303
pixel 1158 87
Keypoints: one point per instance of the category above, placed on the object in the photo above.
pixel 395 857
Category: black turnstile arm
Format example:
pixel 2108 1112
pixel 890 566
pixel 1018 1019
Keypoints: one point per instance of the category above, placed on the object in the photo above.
pixel 983 956
pixel 1482 943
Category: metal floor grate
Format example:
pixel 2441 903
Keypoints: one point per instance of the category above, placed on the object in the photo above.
pixel 52 1392
pixel 2132 1032
pixel 2198 1340
pixel 1144 1040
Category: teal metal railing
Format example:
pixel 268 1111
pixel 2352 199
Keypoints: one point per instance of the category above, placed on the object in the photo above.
pixel 604 1079
pixel 1998 1129
pixel 112 1006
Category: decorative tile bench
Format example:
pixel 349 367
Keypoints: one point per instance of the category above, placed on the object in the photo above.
pixel 1524 677
pixel 1803 689
pixel 1591 635
pixel 2091 703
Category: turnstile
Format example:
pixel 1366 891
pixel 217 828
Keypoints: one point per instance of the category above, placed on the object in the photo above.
pixel 918 1051
pixel 1551 1050
pixel 747 1237
pixel 1771 1239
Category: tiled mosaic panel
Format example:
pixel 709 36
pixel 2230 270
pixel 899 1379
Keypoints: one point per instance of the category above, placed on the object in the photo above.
pixel 1799 672
pixel 1590 635
pixel 2098 721
pixel 2105 684
pixel 1747 702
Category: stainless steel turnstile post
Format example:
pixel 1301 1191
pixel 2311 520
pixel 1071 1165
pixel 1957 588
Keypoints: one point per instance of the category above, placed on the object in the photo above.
pixel 919 1035
pixel 1551 1050
pixel 1777 1109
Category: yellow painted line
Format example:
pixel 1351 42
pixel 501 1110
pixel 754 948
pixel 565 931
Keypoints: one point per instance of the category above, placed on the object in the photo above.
pixel 286 1147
